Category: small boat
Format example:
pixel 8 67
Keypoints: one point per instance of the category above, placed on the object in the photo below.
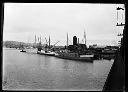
pixel 22 51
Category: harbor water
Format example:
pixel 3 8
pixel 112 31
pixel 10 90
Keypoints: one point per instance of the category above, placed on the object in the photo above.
pixel 30 71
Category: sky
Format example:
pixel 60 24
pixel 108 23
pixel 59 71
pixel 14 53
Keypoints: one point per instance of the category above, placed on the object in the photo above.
pixel 22 21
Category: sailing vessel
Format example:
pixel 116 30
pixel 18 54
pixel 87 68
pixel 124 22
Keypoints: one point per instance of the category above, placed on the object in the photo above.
pixel 47 51
pixel 76 54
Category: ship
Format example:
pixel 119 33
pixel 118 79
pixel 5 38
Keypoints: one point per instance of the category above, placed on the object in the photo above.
pixel 75 51
pixel 47 50
pixel 74 56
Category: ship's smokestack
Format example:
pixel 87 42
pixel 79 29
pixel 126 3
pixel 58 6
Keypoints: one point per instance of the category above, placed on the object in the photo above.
pixel 74 40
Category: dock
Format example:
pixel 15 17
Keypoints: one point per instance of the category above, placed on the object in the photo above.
pixel 116 77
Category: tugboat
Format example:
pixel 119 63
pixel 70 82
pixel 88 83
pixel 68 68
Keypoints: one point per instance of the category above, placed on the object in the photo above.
pixel 75 51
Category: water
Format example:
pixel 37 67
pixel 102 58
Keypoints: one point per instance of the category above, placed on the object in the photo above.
pixel 31 71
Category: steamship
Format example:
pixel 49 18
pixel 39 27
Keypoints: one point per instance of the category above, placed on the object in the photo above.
pixel 76 51
pixel 75 56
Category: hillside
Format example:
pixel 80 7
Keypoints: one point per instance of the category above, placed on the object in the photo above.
pixel 16 44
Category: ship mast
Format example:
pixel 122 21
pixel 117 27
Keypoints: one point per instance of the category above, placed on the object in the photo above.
pixel 40 39
pixel 67 40
pixel 35 39
pixel 49 41
pixel 34 44
pixel 85 36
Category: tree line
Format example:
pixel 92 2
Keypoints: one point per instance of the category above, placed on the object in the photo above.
pixel 16 44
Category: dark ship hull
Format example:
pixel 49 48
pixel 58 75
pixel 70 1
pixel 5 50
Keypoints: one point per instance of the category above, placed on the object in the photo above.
pixel 74 56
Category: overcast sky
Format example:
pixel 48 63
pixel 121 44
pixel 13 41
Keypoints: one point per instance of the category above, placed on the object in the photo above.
pixel 23 21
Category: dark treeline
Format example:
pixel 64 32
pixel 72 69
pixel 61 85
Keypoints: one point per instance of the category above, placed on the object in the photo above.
pixel 16 44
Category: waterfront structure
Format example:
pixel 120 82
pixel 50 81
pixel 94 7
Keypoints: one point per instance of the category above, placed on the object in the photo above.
pixel 116 76
pixel 77 47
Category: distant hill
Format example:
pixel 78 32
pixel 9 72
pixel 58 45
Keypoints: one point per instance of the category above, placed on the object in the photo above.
pixel 15 44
